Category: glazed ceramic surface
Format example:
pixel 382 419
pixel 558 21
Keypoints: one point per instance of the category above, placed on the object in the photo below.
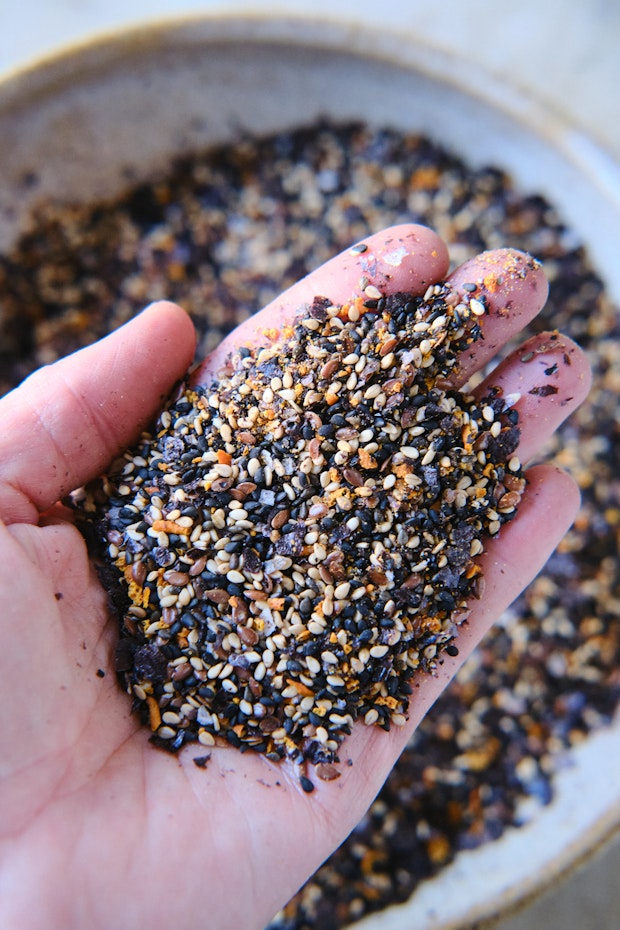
pixel 90 122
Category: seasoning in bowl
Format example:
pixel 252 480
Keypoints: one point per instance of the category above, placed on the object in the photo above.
pixel 223 232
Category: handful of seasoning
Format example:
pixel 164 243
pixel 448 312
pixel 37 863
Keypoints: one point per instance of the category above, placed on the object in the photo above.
pixel 288 546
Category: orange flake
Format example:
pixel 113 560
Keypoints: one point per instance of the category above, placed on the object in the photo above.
pixel 154 713
pixel 176 271
pixel 438 848
pixel 137 594
pixel 387 701
pixel 224 458
pixel 169 526
pixel 425 177
pixel 300 687
pixel 492 282
pixel 467 437
pixel 366 459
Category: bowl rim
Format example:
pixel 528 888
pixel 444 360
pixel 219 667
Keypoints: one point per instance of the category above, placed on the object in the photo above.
pixel 47 76
pixel 332 32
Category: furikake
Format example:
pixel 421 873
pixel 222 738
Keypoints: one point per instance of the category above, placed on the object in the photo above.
pixel 288 546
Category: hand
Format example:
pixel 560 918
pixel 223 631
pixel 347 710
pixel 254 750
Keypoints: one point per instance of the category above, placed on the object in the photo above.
pixel 98 828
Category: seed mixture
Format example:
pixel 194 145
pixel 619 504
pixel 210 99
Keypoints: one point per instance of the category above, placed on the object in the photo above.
pixel 295 540
pixel 223 233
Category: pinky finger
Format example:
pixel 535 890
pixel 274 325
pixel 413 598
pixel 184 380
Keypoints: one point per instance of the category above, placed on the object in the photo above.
pixel 511 560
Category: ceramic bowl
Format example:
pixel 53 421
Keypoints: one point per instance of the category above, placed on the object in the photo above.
pixel 85 122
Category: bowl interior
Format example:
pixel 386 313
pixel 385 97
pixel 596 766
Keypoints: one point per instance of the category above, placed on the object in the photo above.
pixel 87 125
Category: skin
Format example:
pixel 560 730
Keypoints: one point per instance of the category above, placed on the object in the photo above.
pixel 100 830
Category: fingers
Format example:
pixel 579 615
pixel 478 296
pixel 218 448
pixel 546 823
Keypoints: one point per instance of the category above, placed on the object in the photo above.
pixel 513 288
pixel 510 562
pixel 515 556
pixel 66 422
pixel 327 815
pixel 545 379
pixel 557 372
pixel 401 258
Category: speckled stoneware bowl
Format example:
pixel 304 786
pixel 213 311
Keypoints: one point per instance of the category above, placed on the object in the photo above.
pixel 86 121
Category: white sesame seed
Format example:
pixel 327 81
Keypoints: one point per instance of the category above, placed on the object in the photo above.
pixel 235 577
pixel 313 665
pixel 166 733
pixel 377 652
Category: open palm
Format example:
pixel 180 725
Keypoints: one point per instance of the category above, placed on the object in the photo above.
pixel 99 829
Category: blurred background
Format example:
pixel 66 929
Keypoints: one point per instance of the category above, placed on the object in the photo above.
pixel 562 52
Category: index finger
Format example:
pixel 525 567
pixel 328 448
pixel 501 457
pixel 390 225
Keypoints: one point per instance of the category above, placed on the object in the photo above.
pixel 403 258
pixel 67 421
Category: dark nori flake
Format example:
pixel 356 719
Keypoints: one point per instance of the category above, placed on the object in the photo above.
pixel 123 655
pixel 543 390
pixel 201 761
pixel 149 661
